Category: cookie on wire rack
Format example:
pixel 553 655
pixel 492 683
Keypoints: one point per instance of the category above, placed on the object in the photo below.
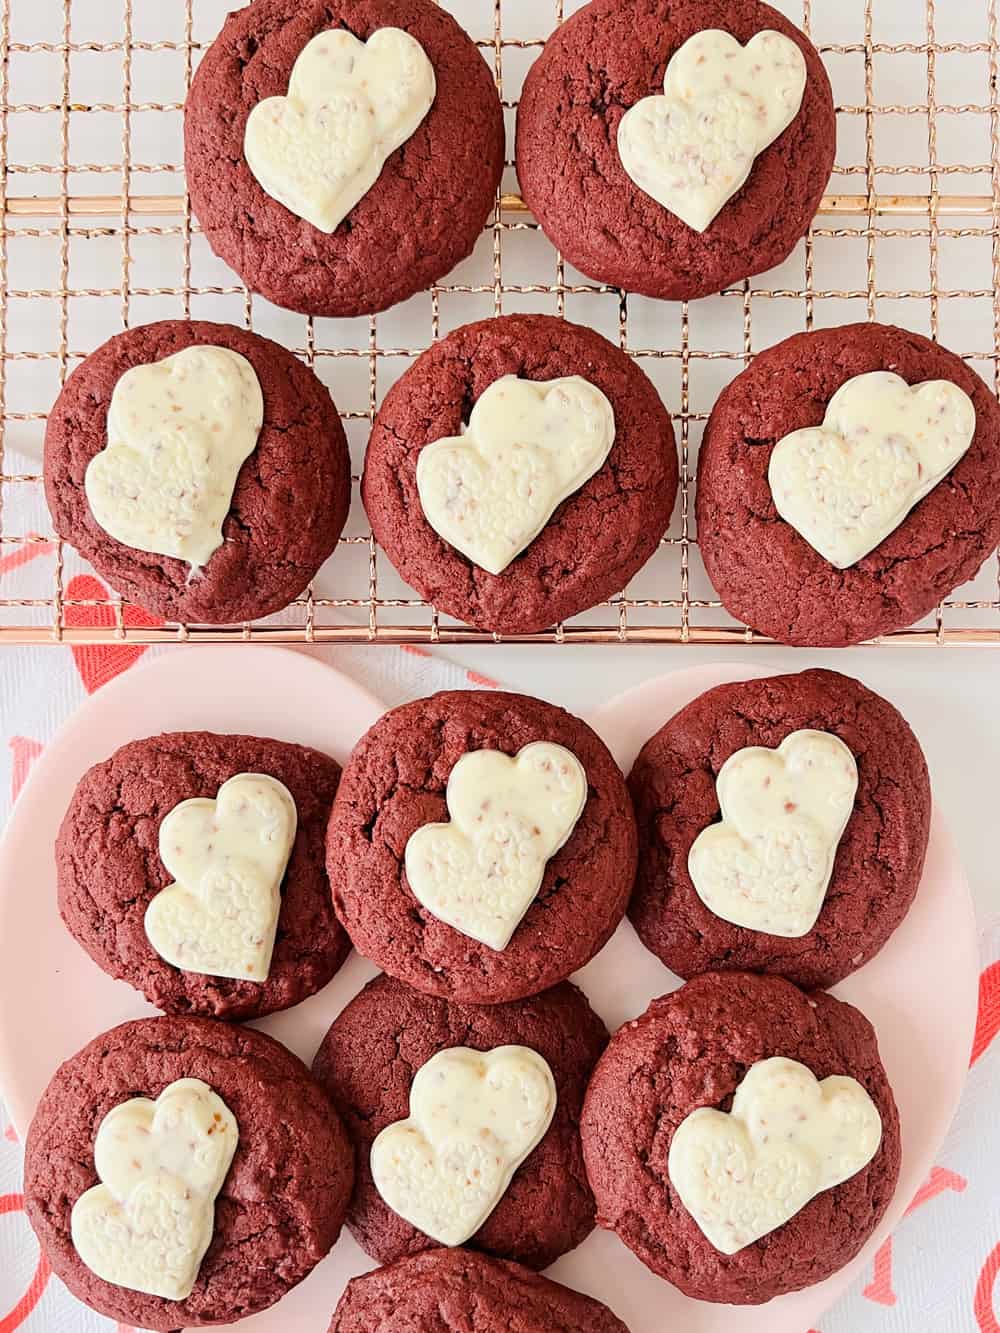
pixel 342 155
pixel 202 470
pixel 848 481
pixel 676 147
pixel 520 472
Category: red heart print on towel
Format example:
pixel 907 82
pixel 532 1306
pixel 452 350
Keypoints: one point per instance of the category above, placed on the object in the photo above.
pixel 983 1301
pixel 25 752
pixel 880 1289
pixel 14 1318
pixel 988 1022
pixel 23 553
pixel 98 663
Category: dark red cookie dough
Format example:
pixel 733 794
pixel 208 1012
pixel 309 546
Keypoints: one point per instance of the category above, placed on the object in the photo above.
pixel 281 1206
pixel 289 505
pixel 367 1063
pixel 767 574
pixel 395 782
pixel 109 869
pixel 458 1291
pixel 881 852
pixel 421 217
pixel 692 1049
pixel 596 539
pixel 599 64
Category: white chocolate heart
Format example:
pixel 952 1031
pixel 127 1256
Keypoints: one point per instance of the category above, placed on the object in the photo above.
pixel 482 872
pixel 473 1120
pixel 179 430
pixel 787 1138
pixel 228 858
pixel 693 147
pixel 350 105
pixel 528 447
pixel 148 1224
pixel 846 485
pixel 767 865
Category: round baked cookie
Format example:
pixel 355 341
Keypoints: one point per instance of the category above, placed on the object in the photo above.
pixel 367 1063
pixel 425 211
pixel 109 869
pixel 766 573
pixel 595 540
pixel 879 858
pixel 283 1201
pixel 601 62
pixel 394 784
pixel 289 504
pixel 458 1291
pixel 692 1049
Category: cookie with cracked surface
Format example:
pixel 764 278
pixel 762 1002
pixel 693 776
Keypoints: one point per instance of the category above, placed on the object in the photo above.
pixel 394 784
pixel 458 1291
pixel 425 211
pixel 879 858
pixel 601 62
pixel 108 868
pixel 283 1202
pixel 766 573
pixel 595 540
pixel 289 504
pixel 367 1062
pixel 692 1049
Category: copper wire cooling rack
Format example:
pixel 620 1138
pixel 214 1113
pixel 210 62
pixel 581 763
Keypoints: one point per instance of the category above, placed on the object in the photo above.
pixel 97 235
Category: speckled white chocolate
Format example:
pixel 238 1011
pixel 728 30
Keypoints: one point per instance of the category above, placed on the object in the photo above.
pixel 148 1224
pixel 473 1120
pixel 179 430
pixel 693 147
pixel 767 865
pixel 529 445
pixel 846 485
pixel 350 105
pixel 788 1137
pixel 481 872
pixel 228 858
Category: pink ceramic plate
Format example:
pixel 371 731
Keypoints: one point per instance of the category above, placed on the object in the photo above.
pixel 920 991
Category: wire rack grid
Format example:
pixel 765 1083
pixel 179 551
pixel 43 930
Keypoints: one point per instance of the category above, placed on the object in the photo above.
pixel 97 235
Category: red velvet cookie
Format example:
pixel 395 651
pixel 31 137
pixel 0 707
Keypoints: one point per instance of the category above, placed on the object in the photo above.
pixel 394 784
pixel 764 571
pixel 283 1201
pixel 601 62
pixel 595 540
pixel 879 858
pixel 425 211
pixel 289 504
pixel 367 1063
pixel 109 868
pixel 692 1049
pixel 458 1291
